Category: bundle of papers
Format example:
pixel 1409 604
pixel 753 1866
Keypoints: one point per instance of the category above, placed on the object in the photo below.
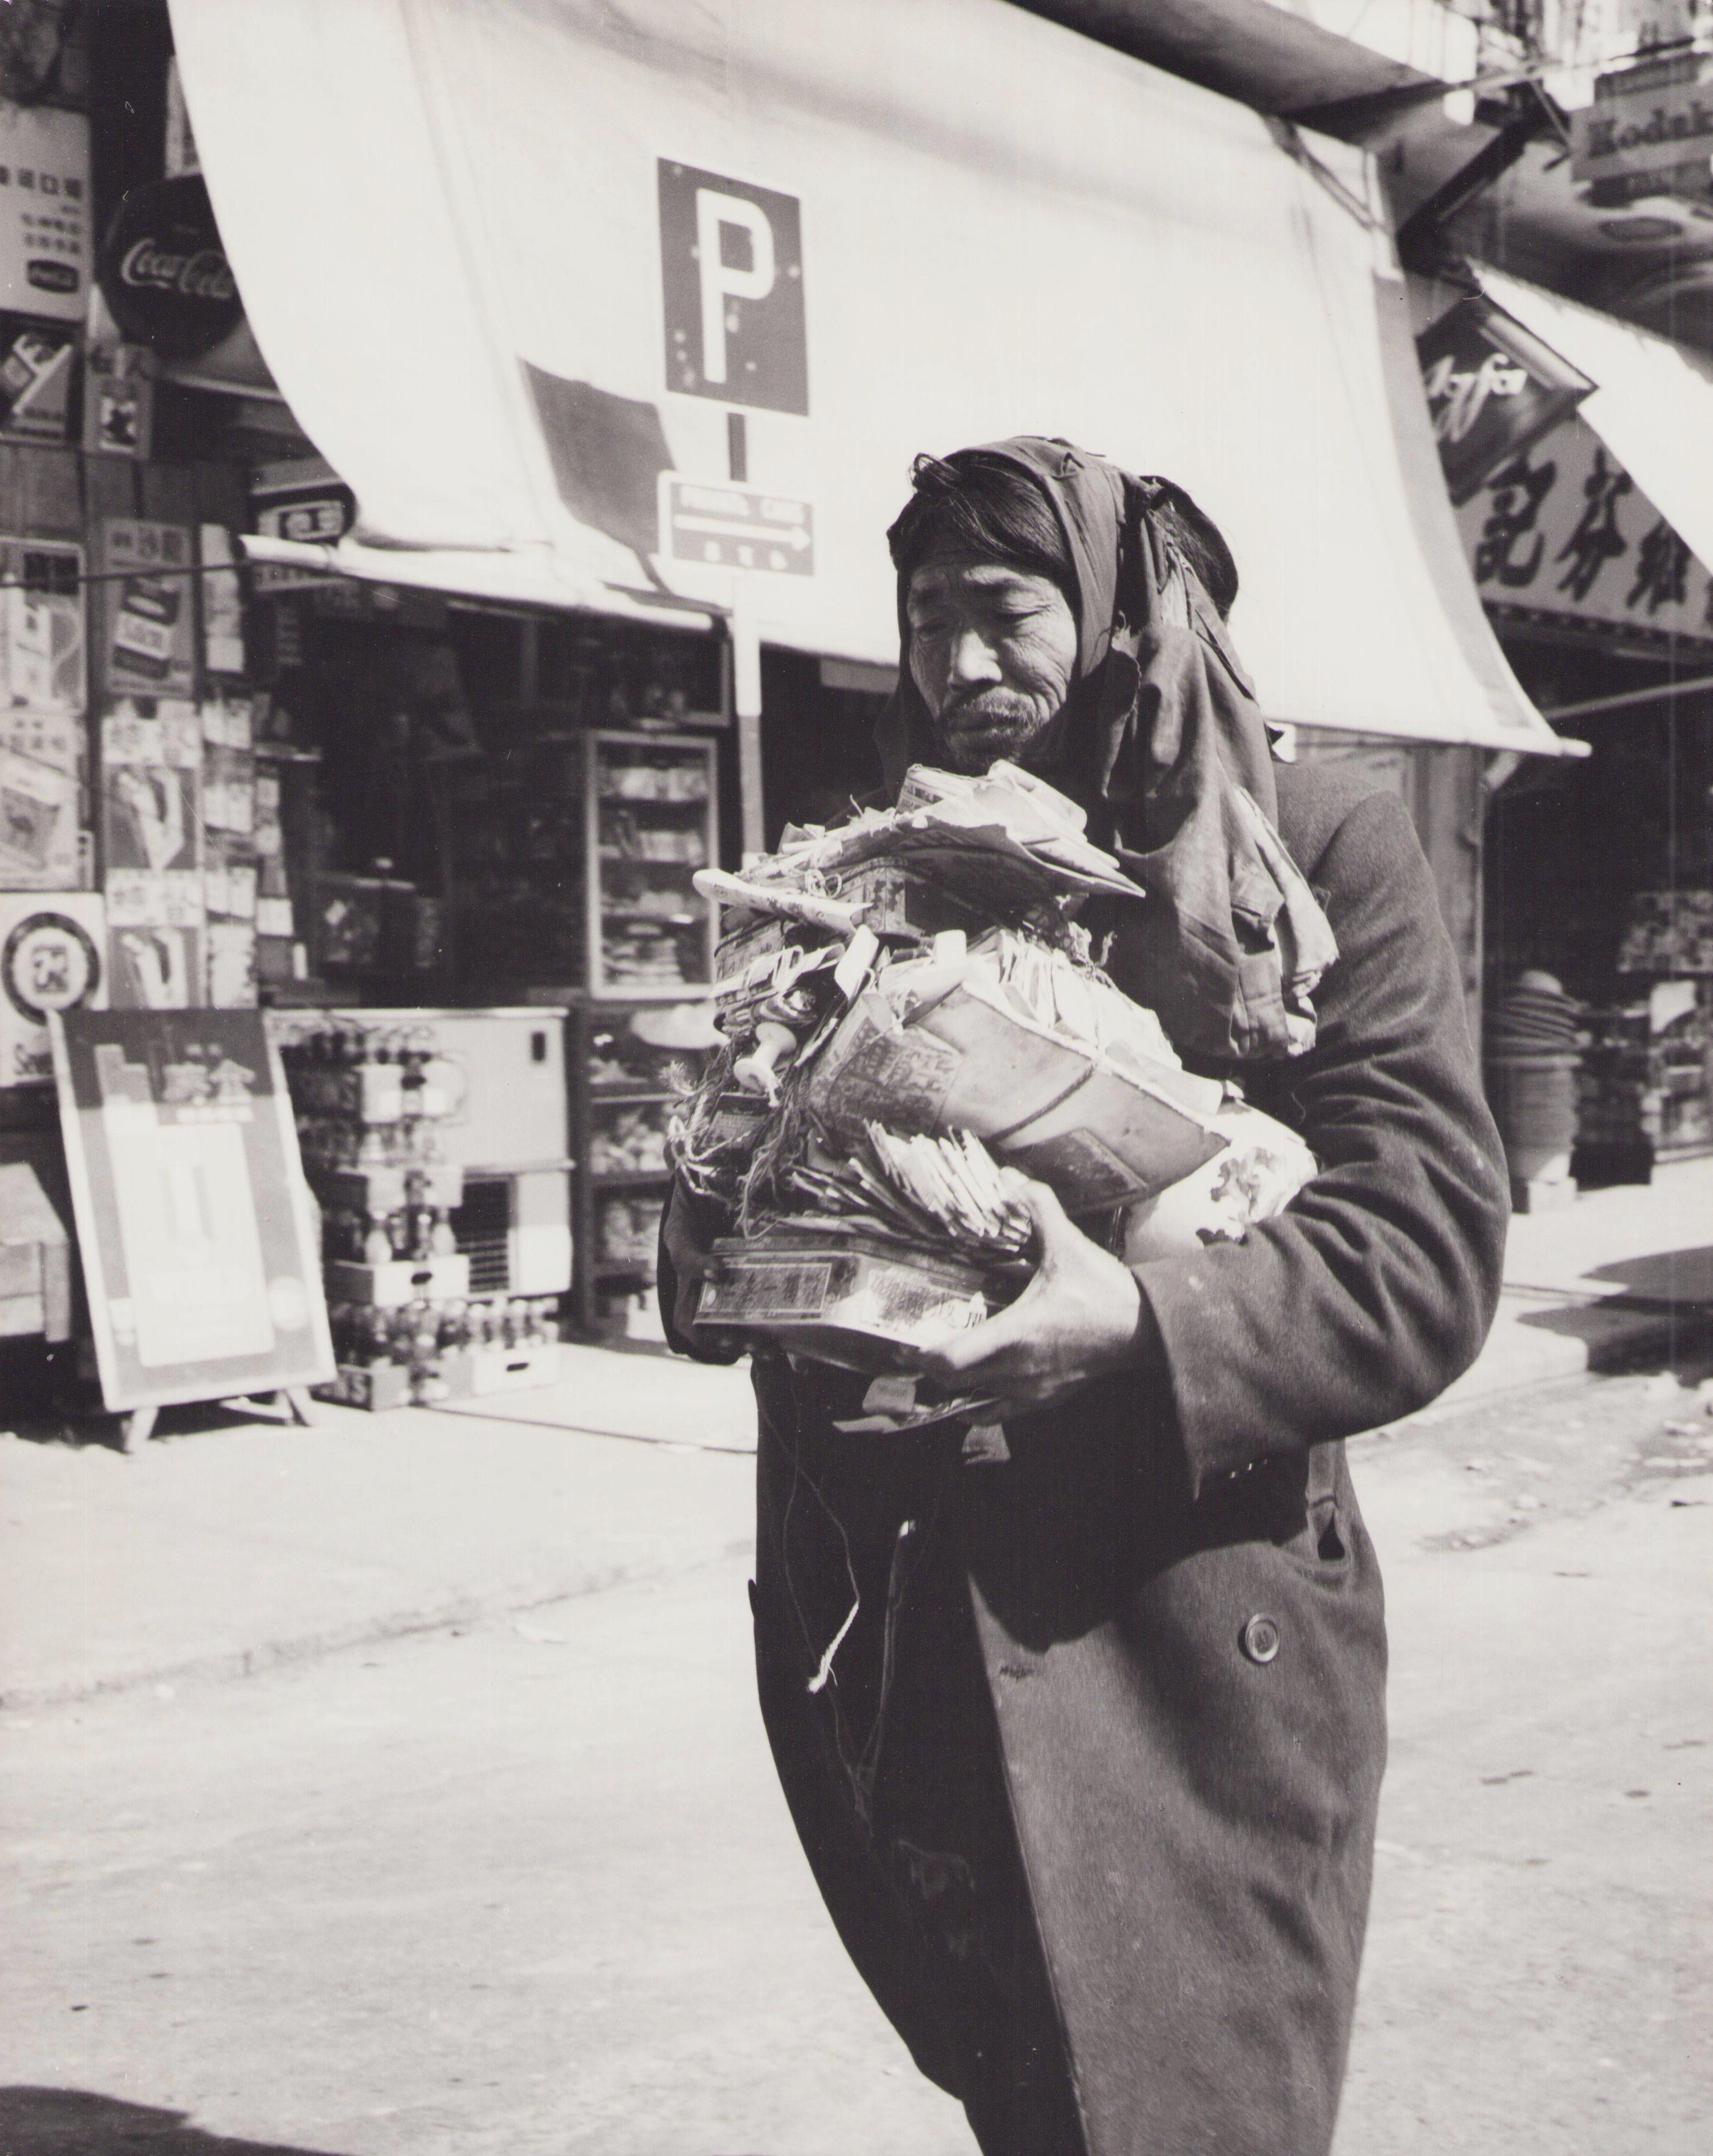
pixel 934 1193
pixel 1007 841
pixel 908 1005
pixel 1054 1067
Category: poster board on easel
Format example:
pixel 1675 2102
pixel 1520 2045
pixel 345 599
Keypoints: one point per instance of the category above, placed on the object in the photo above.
pixel 195 1226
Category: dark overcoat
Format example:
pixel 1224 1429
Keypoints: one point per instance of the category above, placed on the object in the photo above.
pixel 1089 1780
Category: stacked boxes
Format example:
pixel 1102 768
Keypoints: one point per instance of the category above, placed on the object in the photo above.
pixel 369 1104
pixel 1668 932
pixel 1645 1083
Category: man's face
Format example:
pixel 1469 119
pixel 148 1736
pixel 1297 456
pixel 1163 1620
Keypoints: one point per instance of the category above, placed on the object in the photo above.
pixel 993 650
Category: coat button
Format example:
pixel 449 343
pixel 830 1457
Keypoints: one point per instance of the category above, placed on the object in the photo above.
pixel 1260 1639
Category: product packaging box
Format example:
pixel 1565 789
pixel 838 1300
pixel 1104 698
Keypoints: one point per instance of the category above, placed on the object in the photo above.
pixel 842 1299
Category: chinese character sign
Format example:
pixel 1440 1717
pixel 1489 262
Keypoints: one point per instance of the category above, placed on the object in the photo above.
pixel 45 202
pixel 1564 529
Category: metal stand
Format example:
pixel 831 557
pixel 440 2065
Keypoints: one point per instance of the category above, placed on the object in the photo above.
pixel 289 1403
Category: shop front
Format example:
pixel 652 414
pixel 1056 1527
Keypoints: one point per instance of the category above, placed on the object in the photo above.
pixel 596 359
pixel 1589 544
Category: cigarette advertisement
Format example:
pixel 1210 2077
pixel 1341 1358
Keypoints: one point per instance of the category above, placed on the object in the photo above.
pixel 38 849
pixel 149 644
pixel 38 366
pixel 42 640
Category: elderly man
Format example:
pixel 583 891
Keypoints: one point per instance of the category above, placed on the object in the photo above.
pixel 1091 1790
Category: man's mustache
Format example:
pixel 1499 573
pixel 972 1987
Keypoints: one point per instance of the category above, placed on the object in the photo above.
pixel 984 707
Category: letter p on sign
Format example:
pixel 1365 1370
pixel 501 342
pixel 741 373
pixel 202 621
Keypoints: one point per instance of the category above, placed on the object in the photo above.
pixel 733 280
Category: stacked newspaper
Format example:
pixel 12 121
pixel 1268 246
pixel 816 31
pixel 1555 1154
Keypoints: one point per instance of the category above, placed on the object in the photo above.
pixel 908 1003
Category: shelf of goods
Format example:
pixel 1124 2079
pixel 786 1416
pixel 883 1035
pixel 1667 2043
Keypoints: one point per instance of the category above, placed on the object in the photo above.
pixel 649 810
pixel 623 1061
pixel 371 1101
pixel 1647 1078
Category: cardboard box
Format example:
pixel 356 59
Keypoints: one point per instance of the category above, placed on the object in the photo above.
pixel 376 1386
pixel 512 1369
pixel 398 1281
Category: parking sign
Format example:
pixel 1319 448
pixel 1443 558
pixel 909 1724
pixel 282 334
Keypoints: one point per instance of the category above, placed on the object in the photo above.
pixel 732 275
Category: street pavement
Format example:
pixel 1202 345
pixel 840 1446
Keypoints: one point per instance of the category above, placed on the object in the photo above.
pixel 525 1883
pixel 230 1544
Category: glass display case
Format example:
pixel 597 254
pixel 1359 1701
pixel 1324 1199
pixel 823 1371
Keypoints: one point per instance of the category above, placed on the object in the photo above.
pixel 629 1069
pixel 650 812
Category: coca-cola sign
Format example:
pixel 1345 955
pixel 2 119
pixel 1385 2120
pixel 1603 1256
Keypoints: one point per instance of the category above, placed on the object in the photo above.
pixel 1492 389
pixel 164 273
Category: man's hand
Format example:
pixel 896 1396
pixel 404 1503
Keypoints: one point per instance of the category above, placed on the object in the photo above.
pixel 1081 1317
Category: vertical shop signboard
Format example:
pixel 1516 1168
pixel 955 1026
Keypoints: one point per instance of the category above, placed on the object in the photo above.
pixel 194 1221
pixel 44 267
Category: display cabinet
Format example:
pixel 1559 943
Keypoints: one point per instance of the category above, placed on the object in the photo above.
pixel 629 1067
pixel 650 815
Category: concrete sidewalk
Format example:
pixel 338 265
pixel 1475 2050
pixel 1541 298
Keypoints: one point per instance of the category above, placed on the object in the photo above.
pixel 229 1544
pixel 1621 1273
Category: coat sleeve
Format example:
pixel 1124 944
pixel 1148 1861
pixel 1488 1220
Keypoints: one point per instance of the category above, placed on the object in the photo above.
pixel 1377 1285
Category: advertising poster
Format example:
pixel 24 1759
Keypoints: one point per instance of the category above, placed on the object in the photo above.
pixel 38 849
pixel 119 400
pixel 148 608
pixel 38 367
pixel 151 803
pixel 232 965
pixel 50 960
pixel 223 602
pixel 194 1221
pixel 155 968
pixel 44 212
pixel 42 637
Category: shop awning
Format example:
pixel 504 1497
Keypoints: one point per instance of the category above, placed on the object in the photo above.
pixel 1652 406
pixel 530 272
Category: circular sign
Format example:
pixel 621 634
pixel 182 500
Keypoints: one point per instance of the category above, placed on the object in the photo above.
pixel 164 273
pixel 50 963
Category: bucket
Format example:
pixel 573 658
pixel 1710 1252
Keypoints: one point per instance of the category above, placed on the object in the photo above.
pixel 1534 1103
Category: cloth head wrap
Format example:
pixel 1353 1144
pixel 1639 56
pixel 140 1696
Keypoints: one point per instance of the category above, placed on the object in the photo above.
pixel 1161 740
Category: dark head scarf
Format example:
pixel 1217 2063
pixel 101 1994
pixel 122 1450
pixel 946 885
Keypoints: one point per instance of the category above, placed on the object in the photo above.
pixel 1163 741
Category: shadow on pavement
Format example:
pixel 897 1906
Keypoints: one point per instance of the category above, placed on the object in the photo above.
pixel 58 2122
pixel 1666 1276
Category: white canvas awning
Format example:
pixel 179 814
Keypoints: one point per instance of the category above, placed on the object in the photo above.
pixel 515 263
pixel 1652 405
